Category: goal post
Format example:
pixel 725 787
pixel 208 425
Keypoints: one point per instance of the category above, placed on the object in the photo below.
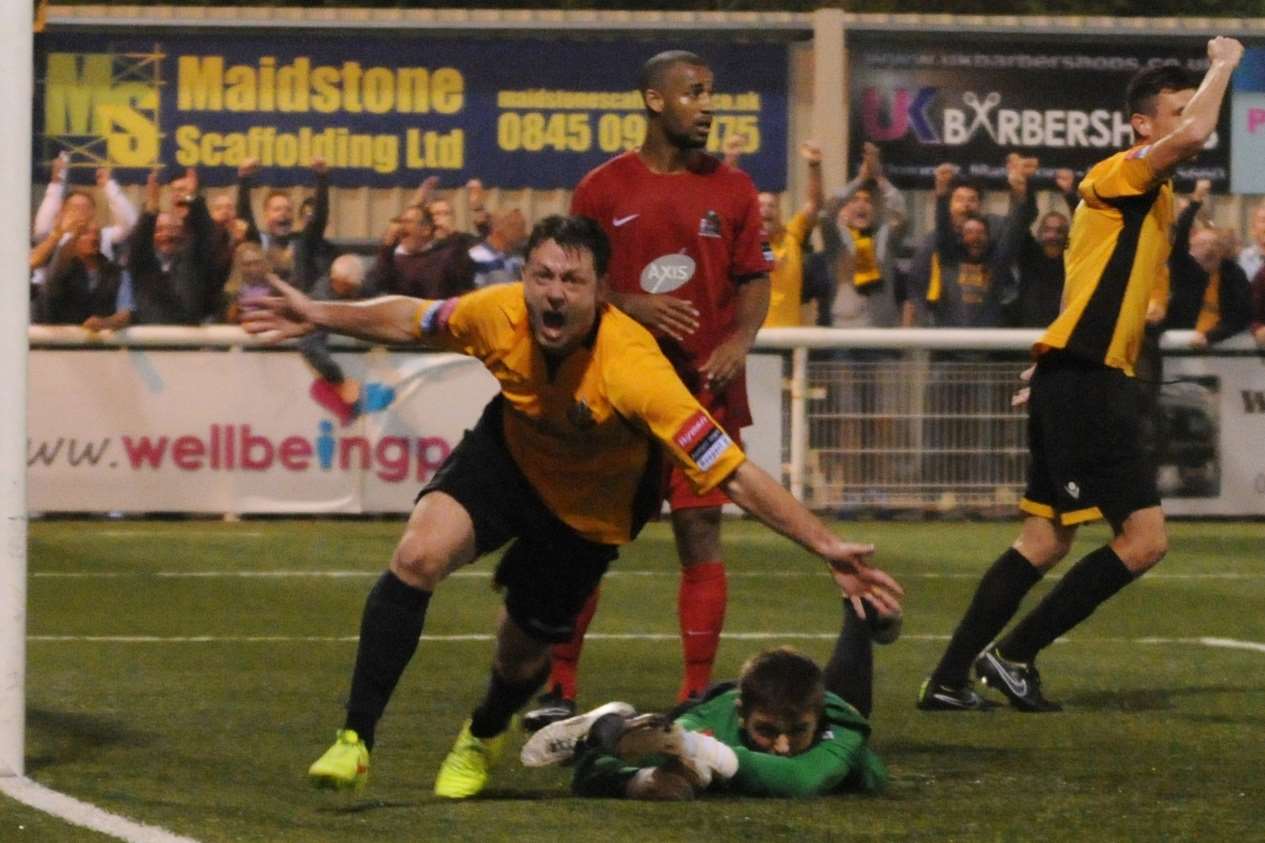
pixel 16 55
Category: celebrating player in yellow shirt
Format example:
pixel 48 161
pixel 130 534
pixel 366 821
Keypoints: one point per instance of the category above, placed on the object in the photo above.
pixel 563 462
pixel 1083 429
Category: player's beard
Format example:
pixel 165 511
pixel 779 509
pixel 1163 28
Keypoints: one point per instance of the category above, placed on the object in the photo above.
pixel 685 140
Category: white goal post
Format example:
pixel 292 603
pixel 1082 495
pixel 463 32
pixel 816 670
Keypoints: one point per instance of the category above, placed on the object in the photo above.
pixel 16 48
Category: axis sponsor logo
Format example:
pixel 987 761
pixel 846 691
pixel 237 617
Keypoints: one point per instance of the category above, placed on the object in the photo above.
pixel 667 273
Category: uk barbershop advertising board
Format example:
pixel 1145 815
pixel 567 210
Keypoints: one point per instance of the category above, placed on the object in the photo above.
pixel 974 101
pixel 382 111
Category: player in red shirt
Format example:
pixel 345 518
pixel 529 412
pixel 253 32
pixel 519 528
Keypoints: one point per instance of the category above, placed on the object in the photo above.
pixel 690 261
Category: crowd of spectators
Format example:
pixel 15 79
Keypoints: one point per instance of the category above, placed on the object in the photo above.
pixel 184 258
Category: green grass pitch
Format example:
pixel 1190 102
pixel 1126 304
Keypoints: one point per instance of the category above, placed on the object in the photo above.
pixel 184 674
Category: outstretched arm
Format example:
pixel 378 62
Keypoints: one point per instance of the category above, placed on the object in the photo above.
pixel 290 314
pixel 751 488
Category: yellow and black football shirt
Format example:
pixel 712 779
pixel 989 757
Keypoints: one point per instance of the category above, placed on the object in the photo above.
pixel 1115 261
pixel 582 437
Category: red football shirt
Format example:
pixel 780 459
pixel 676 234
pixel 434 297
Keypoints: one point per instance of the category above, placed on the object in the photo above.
pixel 695 235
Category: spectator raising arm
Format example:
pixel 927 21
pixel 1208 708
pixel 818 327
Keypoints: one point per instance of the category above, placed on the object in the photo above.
pixel 50 208
pixel 247 173
pixel 1023 212
pixel 46 248
pixel 123 214
pixel 1258 308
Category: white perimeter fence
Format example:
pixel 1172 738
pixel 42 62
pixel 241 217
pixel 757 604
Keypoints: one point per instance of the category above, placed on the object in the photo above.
pixel 882 421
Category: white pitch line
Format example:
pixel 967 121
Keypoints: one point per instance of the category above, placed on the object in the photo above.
pixel 1203 641
pixel 482 574
pixel 83 814
pixel 226 533
pixel 89 816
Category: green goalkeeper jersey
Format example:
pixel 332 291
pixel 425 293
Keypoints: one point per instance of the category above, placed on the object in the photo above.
pixel 839 760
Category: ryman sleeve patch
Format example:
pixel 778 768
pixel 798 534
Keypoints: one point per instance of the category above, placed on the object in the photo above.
pixel 702 440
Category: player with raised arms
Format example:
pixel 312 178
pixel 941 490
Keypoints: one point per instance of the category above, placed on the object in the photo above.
pixel 1087 457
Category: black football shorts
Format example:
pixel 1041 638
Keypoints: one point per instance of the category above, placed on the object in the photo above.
pixel 550 569
pixel 1084 438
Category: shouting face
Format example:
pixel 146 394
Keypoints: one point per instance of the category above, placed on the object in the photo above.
pixel 562 290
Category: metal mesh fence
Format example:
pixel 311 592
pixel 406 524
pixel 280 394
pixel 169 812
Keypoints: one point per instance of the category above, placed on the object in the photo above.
pixel 914 431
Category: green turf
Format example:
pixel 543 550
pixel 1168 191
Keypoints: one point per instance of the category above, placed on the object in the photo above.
pixel 211 738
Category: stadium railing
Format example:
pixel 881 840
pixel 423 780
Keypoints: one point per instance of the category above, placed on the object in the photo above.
pixel 887 420
pixel 872 419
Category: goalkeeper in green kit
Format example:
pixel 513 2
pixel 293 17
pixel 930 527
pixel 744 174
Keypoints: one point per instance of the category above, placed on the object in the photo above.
pixel 785 728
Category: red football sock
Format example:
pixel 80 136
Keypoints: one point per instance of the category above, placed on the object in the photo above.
pixel 566 657
pixel 701 609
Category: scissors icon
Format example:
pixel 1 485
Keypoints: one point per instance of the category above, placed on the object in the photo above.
pixel 981 110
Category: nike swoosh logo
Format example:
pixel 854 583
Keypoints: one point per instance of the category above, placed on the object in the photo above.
pixel 1020 688
pixel 618 221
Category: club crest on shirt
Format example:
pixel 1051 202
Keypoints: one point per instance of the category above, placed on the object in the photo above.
pixel 580 415
pixel 709 225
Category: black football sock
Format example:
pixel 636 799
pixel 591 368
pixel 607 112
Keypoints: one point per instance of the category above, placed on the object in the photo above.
pixel 1089 583
pixel 850 671
pixel 389 630
pixel 997 598
pixel 501 701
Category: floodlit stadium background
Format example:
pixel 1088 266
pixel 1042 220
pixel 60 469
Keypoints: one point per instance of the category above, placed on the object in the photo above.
pixel 179 673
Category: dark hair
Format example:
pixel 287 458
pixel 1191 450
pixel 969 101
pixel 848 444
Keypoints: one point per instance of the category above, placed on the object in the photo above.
pixel 273 194
pixel 427 219
pixel 967 182
pixel 657 66
pixel 782 682
pixel 869 186
pixel 1150 82
pixel 573 233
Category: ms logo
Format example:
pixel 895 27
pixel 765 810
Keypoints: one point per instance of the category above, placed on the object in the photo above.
pixel 104 107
